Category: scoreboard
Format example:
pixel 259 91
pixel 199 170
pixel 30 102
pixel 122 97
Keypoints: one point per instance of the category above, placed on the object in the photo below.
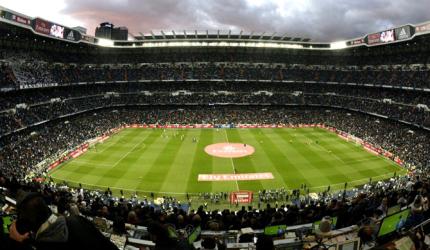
pixel 386 36
pixel 381 37
pixel 391 35
pixel 55 30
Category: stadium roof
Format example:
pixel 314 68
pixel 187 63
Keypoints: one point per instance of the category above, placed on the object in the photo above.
pixel 217 34
pixel 206 38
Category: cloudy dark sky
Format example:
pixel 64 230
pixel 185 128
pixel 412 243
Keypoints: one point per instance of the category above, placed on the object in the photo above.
pixel 321 20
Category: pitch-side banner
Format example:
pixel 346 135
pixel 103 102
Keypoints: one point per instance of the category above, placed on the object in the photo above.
pixel 235 177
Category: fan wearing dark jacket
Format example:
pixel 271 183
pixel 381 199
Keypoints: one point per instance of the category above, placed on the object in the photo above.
pixel 37 227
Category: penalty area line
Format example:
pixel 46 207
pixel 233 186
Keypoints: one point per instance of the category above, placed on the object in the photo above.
pixel 131 150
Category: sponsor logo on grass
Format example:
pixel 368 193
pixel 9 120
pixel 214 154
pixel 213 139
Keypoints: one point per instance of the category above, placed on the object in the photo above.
pixel 229 150
pixel 235 177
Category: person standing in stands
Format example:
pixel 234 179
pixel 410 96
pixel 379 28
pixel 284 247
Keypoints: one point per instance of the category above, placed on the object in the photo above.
pixel 38 228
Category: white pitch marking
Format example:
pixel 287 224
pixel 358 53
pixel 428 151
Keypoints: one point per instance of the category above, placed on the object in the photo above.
pixel 130 151
pixel 231 159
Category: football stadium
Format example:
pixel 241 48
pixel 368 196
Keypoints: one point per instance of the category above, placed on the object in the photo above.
pixel 200 139
pixel 167 161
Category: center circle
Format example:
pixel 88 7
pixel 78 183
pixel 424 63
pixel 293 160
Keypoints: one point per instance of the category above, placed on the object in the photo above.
pixel 229 150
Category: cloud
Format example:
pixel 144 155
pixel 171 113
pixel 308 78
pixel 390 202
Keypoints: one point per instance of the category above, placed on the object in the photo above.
pixel 320 20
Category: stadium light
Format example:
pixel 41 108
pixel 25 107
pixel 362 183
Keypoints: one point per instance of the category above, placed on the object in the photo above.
pixel 105 42
pixel 338 45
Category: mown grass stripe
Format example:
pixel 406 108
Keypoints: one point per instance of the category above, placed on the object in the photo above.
pixel 202 163
pixel 291 175
pixel 342 154
pixel 334 171
pixel 144 162
pixel 138 163
pixel 298 150
pixel 156 176
pixel 87 172
pixel 244 164
pixel 122 165
pixel 177 177
pixel 291 165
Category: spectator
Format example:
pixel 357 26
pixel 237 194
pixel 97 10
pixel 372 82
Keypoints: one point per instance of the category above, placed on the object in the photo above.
pixel 37 226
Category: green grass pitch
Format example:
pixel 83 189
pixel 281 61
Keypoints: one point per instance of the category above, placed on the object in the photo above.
pixel 146 161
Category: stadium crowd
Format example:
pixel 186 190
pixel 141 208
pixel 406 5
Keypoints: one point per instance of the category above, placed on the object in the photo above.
pixel 97 108
pixel 22 151
pixel 20 112
pixel 27 148
pixel 52 102
pixel 42 95
pixel 33 72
